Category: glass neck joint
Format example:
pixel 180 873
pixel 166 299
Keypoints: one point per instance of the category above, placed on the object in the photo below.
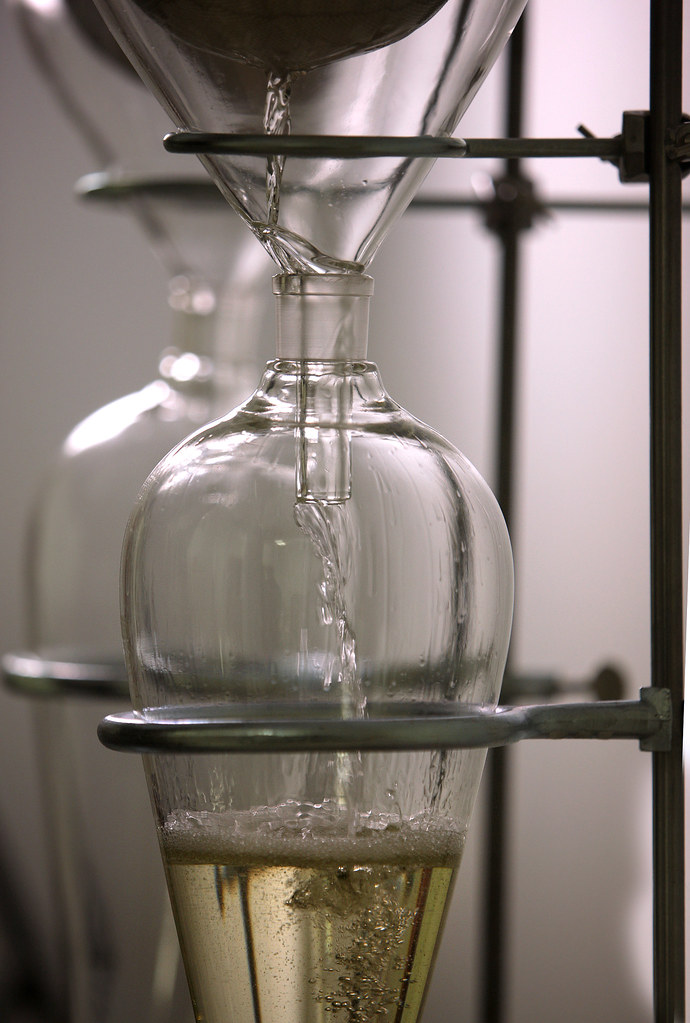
pixel 322 317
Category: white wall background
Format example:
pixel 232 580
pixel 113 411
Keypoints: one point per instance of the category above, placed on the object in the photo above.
pixel 82 319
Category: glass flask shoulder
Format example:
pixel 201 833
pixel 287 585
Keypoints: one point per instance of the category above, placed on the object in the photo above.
pixel 317 534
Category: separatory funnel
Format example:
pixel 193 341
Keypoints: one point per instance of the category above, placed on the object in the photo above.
pixel 315 580
pixel 119 956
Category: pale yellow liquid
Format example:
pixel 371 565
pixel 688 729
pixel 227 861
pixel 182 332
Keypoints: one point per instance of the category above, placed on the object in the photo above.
pixel 312 933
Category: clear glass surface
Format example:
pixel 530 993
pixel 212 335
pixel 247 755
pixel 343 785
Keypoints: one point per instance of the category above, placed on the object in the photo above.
pixel 344 68
pixel 318 552
pixel 114 921
pixel 242 587
pixel 73 51
pixel 102 99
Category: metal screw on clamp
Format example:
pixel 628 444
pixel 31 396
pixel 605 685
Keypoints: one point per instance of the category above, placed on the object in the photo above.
pixel 678 146
pixel 632 162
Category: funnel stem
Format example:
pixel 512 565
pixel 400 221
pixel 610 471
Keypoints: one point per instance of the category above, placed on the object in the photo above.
pixel 322 324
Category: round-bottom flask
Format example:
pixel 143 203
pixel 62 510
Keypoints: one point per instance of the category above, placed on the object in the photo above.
pixel 317 553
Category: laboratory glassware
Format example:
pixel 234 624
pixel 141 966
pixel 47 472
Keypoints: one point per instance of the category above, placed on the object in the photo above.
pixel 319 554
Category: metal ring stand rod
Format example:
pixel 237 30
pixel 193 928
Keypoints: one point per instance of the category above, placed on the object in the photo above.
pixel 189 731
pixel 429 727
pixel 104 187
pixel 355 147
pixel 666 60
pixel 29 674
pixel 32 675
pixel 493 961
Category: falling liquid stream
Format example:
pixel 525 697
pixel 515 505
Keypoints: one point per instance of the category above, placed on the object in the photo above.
pixel 319 522
pixel 276 122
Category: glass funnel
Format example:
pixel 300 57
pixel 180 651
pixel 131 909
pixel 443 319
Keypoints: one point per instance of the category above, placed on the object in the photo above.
pixel 408 68
pixel 317 554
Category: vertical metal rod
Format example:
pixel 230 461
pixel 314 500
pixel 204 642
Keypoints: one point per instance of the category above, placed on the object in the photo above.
pixel 666 502
pixel 494 959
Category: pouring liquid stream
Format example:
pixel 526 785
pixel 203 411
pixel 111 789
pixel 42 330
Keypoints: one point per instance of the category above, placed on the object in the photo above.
pixel 320 522
pixel 276 122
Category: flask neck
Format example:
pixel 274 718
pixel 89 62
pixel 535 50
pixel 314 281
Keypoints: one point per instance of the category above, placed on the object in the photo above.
pixel 213 340
pixel 194 308
pixel 322 317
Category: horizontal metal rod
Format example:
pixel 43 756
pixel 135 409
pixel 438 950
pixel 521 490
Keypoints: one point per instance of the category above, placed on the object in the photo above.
pixel 342 147
pixel 604 149
pixel 31 675
pixel 355 147
pixel 108 187
pixel 646 719
pixel 436 727
pixel 102 186
pixel 450 202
